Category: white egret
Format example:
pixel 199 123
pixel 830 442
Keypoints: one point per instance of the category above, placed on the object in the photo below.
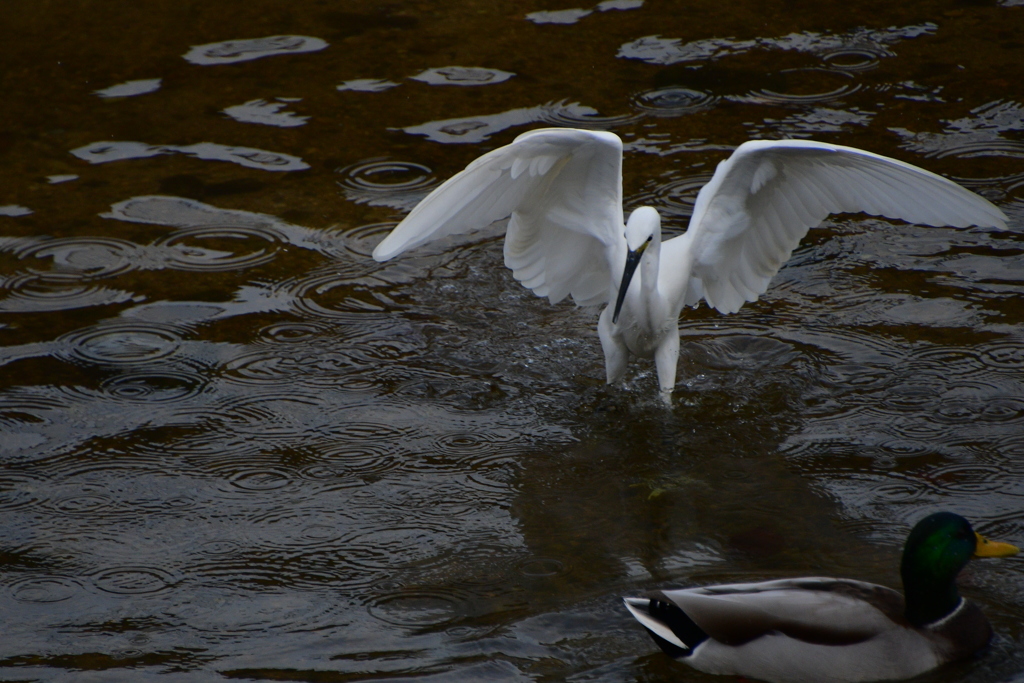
pixel 566 235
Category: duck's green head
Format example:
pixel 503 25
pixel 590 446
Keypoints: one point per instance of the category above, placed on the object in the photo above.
pixel 937 549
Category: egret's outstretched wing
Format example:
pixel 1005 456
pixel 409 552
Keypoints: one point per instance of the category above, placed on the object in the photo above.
pixel 763 199
pixel 563 191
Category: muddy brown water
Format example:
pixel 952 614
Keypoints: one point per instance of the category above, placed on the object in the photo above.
pixel 233 446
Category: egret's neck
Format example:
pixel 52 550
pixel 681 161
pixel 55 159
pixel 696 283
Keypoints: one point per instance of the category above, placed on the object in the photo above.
pixel 649 265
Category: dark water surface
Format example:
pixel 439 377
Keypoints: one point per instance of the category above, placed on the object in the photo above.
pixel 233 446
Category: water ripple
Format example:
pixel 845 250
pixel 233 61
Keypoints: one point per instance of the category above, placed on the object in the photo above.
pixel 19 490
pixel 972 478
pixel 1002 410
pixel 279 415
pixel 82 504
pixel 542 567
pixel 134 580
pixel 216 248
pixel 900 448
pixel 271 607
pixel 418 608
pixel 474 445
pixel 83 257
pixel 949 361
pixel 379 182
pixel 673 101
pixel 674 198
pixel 813 88
pixel 582 117
pixel 44 589
pixel 361 241
pixel 356 463
pixel 853 59
pixel 259 480
pixel 1007 355
pixel 898 492
pixel 121 343
pixel 291 333
pixel 910 397
pixel 333 296
pixel 264 367
pixel 220 547
pixel 160 386
pixel 30 293
pixel 388 547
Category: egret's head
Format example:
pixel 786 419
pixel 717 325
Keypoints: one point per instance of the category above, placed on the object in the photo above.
pixel 643 226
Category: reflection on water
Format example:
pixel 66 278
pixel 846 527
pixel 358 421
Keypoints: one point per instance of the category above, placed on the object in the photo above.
pixel 815 123
pixel 131 88
pixel 233 445
pixel 460 75
pixel 854 50
pixel 980 134
pixel 476 129
pixel 105 152
pixel 267 113
pixel 571 16
pixel 232 51
pixel 367 85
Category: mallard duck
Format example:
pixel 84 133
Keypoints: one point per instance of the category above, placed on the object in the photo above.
pixel 821 629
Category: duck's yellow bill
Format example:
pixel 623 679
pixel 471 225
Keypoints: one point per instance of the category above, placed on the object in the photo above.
pixel 987 548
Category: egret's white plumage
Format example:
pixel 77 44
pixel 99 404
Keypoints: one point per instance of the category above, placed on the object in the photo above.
pixel 562 189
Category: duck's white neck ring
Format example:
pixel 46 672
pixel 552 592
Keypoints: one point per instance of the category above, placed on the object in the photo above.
pixel 939 623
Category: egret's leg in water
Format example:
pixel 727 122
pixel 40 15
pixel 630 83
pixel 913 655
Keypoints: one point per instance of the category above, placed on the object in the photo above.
pixel 616 355
pixel 665 359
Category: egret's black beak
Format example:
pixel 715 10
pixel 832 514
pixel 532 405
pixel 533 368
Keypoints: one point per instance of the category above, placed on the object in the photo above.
pixel 632 261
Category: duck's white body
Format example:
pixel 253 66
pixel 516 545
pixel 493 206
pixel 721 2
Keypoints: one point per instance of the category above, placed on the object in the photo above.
pixel 562 189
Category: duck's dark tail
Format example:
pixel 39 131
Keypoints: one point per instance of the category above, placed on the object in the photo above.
pixel 674 632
